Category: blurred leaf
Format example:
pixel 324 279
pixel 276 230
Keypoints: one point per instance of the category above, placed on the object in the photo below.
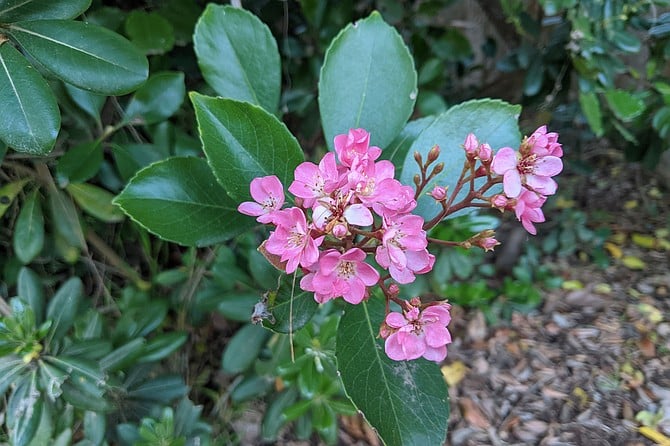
pixel 367 69
pixel 85 55
pixel 273 419
pixel 644 241
pixel 162 346
pixel 90 103
pixel 96 202
pixel 454 373
pixel 130 158
pixel 11 367
pixel 632 262
pixel 122 356
pixel 182 16
pixel 14 10
pixel 65 219
pixel 625 105
pixel 31 118
pixel 626 41
pixel 180 200
pixel 238 56
pixel 236 306
pixel 159 98
pixel 150 32
pixel 8 192
pixel 29 289
pixel 591 109
pixel 28 234
pixel 381 388
pixel 79 163
pixel 243 348
pixel 163 389
pixel 95 427
pixel 251 387
pixel 63 307
pixel 24 410
pixel 242 142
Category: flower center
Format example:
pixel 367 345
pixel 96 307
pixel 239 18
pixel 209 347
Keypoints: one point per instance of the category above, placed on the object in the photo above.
pixel 346 269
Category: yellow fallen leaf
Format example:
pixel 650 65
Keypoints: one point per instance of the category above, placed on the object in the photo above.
pixel 603 288
pixel 651 312
pixel 613 249
pixel 655 192
pixel 630 204
pixel 664 244
pixel 654 436
pixel 618 237
pixel 572 285
pixel 643 241
pixel 581 395
pixel 454 373
pixel 632 262
pixel 635 294
pixel 662 232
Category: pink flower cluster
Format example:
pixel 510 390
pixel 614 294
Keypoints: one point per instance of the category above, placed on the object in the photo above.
pixel 526 174
pixel 415 333
pixel 347 206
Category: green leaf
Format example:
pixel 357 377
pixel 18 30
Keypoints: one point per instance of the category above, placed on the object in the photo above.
pixel 31 118
pixel 64 438
pixel 304 307
pixel 159 98
pixel 242 142
pixel 367 80
pixel 29 229
pixel 625 105
pixel 492 121
pixel 397 150
pixel 180 200
pixel 407 402
pixel 122 356
pixel 96 202
pixel 11 366
pixel 130 158
pixel 243 348
pixel 532 83
pixel 8 192
pixel 95 427
pixel 14 10
pixel 91 103
pixel 65 219
pixel 63 307
pixel 235 306
pixel 85 385
pixel 150 32
pixel 238 56
pixel 79 163
pixel 162 346
pixel 274 419
pixel 591 109
pixel 163 389
pixel 24 410
pixel 29 289
pixel 85 55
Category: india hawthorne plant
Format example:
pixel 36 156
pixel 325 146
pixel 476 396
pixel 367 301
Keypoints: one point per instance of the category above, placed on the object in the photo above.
pixel 356 205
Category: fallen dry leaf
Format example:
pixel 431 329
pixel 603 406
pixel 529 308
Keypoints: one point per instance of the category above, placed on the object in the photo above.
pixel 453 373
pixel 473 414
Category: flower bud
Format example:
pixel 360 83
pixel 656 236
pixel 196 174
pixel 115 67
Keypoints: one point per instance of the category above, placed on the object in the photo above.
pixel 439 193
pixel 487 244
pixel 417 179
pixel 394 289
pixel 340 231
pixel 481 172
pixel 418 159
pixel 470 145
pixel 433 153
pixel 438 168
pixel 485 153
pixel 499 202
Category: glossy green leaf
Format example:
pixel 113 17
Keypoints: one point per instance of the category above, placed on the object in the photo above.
pixel 96 202
pixel 243 348
pixel 238 56
pixel 11 366
pixel 159 98
pixel 30 115
pixel 45 427
pixel 180 200
pixel 15 10
pixel 63 439
pixel 162 389
pixel 235 306
pixel 24 410
pixel 85 385
pixel 87 349
pixel 242 141
pixel 130 158
pixel 85 55
pixel 397 150
pixel 303 308
pixel 407 402
pixel 8 192
pixel 63 307
pixel 162 346
pixel 28 238
pixel 95 427
pixel 89 102
pixel 29 289
pixel 80 163
pixel 150 32
pixel 122 356
pixel 65 219
pixel 625 105
pixel 591 109
pixel 368 80
pixel 492 121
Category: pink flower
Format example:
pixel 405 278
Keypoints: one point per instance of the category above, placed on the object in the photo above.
pixel 438 193
pixel 527 209
pixel 499 202
pixel 337 274
pixel 313 182
pixel 269 195
pixel 393 198
pixel 292 240
pixel 403 249
pixel 536 162
pixel 417 333
pixel 353 147
pixel 486 243
pixel 471 145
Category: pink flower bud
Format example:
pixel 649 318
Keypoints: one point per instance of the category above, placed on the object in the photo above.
pixel 439 193
pixel 499 201
pixel 394 289
pixel 487 243
pixel 340 231
pixel 471 144
pixel 485 153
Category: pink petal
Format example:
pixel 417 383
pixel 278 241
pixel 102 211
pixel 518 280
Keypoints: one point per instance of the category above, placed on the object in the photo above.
pixel 512 183
pixel 357 214
pixel 437 335
pixel 251 208
pixel 548 166
pixel 436 354
pixel 413 346
pixel 368 275
pixel 395 320
pixel 543 185
pixel 393 348
pixel 504 160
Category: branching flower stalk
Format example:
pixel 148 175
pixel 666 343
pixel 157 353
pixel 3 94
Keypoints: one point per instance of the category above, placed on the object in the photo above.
pixel 350 207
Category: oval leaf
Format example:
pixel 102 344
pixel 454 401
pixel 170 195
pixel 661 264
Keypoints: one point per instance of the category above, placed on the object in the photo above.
pixel 368 80
pixel 625 105
pixel 29 230
pixel 289 319
pixel 492 121
pixel 14 10
pixel 85 55
pixel 243 348
pixel 150 32
pixel 30 116
pixel 63 307
pixel 159 98
pixel 242 141
pixel 179 199
pixel 90 103
pixel 238 56
pixel 162 346
pixel 79 163
pixel 29 289
pixel 96 202
pixel 407 402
